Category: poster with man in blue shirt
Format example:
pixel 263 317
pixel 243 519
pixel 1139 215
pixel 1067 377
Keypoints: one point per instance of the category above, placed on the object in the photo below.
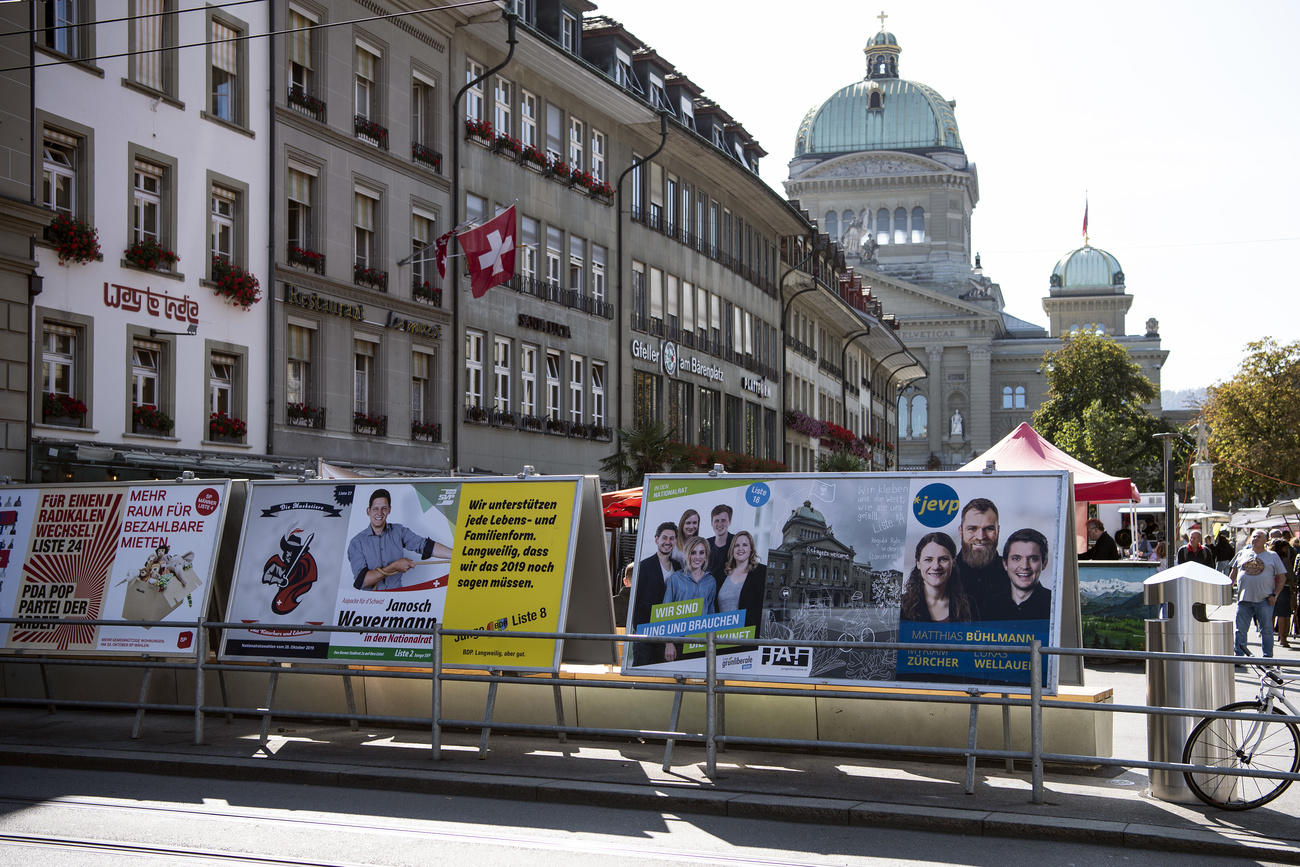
pixel 378 555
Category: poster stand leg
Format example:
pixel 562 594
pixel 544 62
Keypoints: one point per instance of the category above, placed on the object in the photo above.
pixel 266 708
pixel 559 706
pixel 351 699
pixel 721 701
pixel 435 670
pixel 1006 734
pixel 970 742
pixel 200 684
pixel 487 715
pixel 139 711
pixel 672 722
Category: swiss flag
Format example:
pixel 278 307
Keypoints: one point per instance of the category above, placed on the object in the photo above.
pixel 440 253
pixel 490 252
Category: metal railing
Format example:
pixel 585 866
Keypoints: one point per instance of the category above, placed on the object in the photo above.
pixel 713 688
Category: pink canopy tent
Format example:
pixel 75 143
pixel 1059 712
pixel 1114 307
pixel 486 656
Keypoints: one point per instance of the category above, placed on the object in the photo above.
pixel 1025 449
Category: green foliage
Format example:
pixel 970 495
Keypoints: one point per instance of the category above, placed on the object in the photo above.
pixel 645 449
pixel 1094 409
pixel 841 462
pixel 1254 423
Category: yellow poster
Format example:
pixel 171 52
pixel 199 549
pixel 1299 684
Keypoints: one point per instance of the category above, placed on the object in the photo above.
pixel 508 573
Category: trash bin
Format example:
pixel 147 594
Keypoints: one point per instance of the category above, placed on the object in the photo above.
pixel 1185 597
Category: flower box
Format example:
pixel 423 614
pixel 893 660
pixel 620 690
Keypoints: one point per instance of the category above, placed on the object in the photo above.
pixel 476 413
pixel 147 418
pixel 530 423
pixel 233 283
pixel 369 425
pixel 305 415
pixel 372 277
pixel 226 428
pixel 427 431
pixel 62 409
pixel 535 156
pixel 504 143
pixel 304 100
pixel 422 153
pixel 423 290
pixel 479 129
pixel 73 240
pixel 365 128
pixel 148 254
pixel 307 258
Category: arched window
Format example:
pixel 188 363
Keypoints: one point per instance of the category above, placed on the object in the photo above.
pixel 900 225
pixel 920 419
pixel 882 226
pixel 1006 397
pixel 918 225
pixel 1020 397
pixel 877 100
pixel 832 226
pixel 902 417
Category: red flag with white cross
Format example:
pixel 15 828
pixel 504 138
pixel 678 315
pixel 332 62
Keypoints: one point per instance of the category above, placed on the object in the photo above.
pixel 490 252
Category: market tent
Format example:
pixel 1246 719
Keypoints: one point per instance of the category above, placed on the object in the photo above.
pixel 618 505
pixel 1025 449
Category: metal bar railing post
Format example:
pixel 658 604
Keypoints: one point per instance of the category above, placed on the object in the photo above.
pixel 711 705
pixel 972 735
pixel 200 688
pixel 140 701
pixel 673 719
pixel 1036 718
pixel 437 691
pixel 1006 735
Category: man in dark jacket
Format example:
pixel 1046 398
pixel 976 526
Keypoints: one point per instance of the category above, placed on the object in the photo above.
pixel 1195 551
pixel 1103 546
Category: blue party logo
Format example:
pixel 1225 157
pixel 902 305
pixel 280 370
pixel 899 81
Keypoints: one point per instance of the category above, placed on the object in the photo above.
pixel 935 505
pixel 757 494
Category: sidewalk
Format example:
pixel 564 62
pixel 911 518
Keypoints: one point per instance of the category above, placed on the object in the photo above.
pixel 1110 807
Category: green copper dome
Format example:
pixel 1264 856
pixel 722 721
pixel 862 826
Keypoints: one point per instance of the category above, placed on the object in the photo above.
pixel 1087 268
pixel 881 113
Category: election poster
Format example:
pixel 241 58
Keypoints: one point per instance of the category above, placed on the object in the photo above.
pixel 870 558
pixel 392 556
pixel 129 552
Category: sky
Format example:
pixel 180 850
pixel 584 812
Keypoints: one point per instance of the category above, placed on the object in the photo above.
pixel 1174 121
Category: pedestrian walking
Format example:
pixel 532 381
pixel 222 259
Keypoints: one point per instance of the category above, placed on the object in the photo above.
pixel 1261 574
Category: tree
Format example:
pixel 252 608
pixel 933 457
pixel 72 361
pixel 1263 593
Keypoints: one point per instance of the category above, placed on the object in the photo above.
pixel 1254 423
pixel 1094 409
pixel 645 449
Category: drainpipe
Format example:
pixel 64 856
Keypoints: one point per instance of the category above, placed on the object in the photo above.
pixel 844 383
pixel 511 20
pixel 785 310
pixel 889 379
pixel 271 366
pixel 618 266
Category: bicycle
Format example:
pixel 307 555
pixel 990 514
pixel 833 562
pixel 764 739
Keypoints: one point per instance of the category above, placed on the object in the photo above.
pixel 1261 745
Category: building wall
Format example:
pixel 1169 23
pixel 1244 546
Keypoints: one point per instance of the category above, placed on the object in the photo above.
pixel 110 116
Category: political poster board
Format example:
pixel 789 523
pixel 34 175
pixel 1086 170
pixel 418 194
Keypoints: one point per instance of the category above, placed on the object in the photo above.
pixel 391 555
pixel 129 551
pixel 863 557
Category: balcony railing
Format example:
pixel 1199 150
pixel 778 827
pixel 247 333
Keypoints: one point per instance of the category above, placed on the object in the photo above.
pixel 307 258
pixel 303 102
pixel 372 277
pixel 371 131
pixel 426 293
pixel 305 415
pixel 422 153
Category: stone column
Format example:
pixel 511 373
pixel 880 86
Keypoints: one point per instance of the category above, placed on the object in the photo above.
pixel 934 401
pixel 980 433
pixel 1203 483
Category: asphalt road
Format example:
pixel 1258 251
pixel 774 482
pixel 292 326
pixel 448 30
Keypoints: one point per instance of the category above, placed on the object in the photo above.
pixel 93 818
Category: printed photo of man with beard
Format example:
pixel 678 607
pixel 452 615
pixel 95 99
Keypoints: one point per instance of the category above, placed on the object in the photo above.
pixel 981 567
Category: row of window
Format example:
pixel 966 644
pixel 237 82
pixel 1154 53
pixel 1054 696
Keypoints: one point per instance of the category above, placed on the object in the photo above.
pixel 66 185
pixel 515 112
pixel 669 204
pixel 697 415
pixel 900 226
pixel 667 306
pixel 67 27
pixel 565 383
pixel 304 356
pixel 66 365
pixel 913 409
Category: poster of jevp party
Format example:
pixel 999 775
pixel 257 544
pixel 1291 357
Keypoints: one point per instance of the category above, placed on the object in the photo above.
pixel 134 552
pixel 923 559
pixel 393 556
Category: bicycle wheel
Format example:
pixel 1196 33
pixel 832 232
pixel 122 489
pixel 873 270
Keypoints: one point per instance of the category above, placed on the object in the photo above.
pixel 1221 743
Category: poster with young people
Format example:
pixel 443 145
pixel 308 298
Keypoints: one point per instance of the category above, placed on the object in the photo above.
pixel 925 559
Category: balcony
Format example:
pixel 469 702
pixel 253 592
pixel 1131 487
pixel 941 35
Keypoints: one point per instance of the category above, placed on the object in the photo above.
pixel 306 258
pixel 365 424
pixel 305 415
pixel 422 153
pixel 304 103
pixel 370 131
pixel 426 293
pixel 363 275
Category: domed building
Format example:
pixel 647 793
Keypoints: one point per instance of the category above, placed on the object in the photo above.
pixel 881 167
